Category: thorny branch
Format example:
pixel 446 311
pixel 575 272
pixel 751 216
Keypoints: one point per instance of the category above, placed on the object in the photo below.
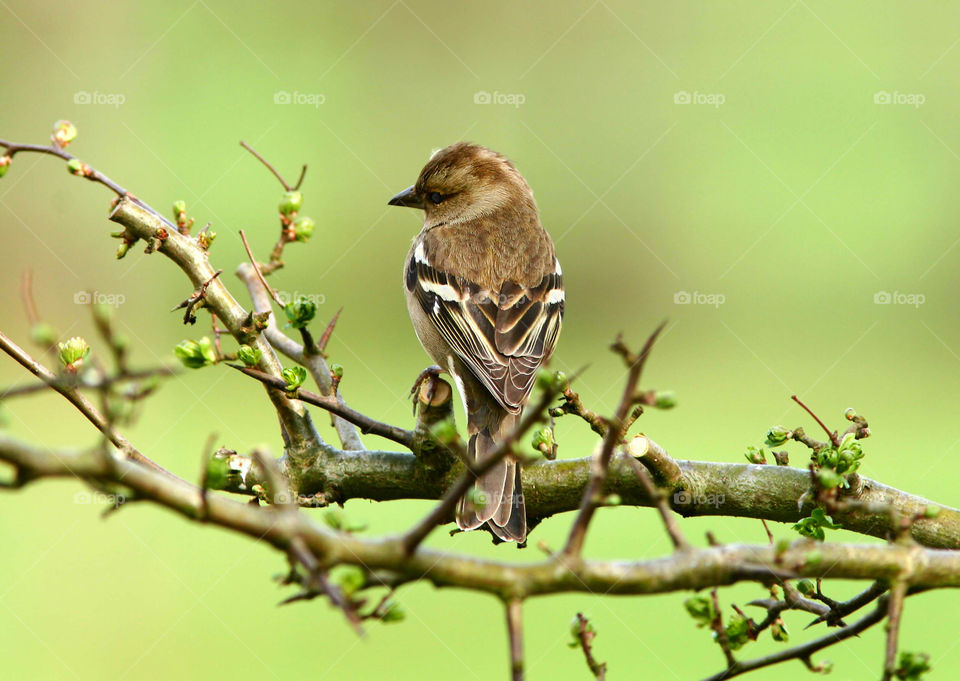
pixel 644 474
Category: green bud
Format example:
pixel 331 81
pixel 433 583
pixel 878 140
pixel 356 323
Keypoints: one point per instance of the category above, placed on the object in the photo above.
pixel 666 400
pixel 336 371
pixel 476 497
pixel 612 500
pixel 912 666
pixel 303 228
pixel 782 545
pixel 291 203
pixel 248 355
pixel 196 354
pixel 218 470
pixel 349 578
pixel 75 166
pixel 64 132
pixel 849 413
pixel 205 239
pixel 294 376
pixel 778 630
pixel 444 432
pixel 931 511
pixel 43 334
pixel 336 519
pixel 829 478
pixel 4 164
pixel 300 312
pixel 72 353
pixel 756 455
pixel 806 587
pixel 392 612
pixel 589 631
pixel 701 610
pixel 777 435
pixel 738 631
pixel 543 440
pixel 551 381
pixel 179 208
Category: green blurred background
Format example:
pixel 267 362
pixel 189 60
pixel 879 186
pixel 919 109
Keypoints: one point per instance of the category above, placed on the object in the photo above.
pixel 813 169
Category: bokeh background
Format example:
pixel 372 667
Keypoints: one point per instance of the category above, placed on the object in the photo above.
pixel 777 179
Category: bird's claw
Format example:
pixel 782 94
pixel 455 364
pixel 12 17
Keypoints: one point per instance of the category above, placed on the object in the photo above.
pixel 432 373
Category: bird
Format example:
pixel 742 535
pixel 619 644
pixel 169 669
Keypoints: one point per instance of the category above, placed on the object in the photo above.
pixel 484 290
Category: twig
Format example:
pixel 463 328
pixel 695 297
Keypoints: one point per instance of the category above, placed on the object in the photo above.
pixel 832 434
pixel 804 652
pixel 720 631
pixel 840 610
pixel 317 581
pixel 76 381
pixel 194 300
pixel 592 494
pixel 78 400
pixel 573 404
pixel 89 173
pixel 585 635
pixel 655 493
pixel 256 268
pixel 303 171
pixel 894 611
pixel 514 609
pixel 333 405
pixel 315 363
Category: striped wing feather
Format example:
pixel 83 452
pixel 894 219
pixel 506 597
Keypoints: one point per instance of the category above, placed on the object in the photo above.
pixel 502 336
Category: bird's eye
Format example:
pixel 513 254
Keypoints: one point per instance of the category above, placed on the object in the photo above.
pixel 435 197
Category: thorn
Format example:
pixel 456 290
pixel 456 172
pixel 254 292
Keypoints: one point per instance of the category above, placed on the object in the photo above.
pixel 327 332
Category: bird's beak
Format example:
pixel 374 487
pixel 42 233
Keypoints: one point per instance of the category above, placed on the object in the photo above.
pixel 408 197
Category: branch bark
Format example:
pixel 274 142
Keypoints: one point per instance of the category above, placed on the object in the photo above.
pixel 683 570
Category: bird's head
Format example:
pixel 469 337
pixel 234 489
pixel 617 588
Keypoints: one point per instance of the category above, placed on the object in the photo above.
pixel 463 182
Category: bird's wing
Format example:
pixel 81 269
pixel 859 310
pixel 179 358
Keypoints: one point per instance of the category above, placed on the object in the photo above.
pixel 502 336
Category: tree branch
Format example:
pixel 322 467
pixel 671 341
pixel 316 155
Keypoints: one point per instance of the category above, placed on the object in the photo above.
pixel 300 436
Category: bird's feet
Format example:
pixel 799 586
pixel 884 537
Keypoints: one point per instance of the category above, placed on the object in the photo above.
pixel 431 373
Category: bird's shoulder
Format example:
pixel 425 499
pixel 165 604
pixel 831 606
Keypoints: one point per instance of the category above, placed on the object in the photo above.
pixel 491 251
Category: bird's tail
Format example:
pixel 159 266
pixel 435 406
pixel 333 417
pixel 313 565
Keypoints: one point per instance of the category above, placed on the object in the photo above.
pixel 497 498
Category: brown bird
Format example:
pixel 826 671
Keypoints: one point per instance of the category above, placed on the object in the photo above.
pixel 485 294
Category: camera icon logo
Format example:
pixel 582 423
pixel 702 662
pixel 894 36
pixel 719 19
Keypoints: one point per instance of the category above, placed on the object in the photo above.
pixel 82 97
pixel 881 97
pixel 682 498
pixel 681 298
pixel 481 97
pixel 882 298
pixel 681 97
pixel 281 97
pixel 81 298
